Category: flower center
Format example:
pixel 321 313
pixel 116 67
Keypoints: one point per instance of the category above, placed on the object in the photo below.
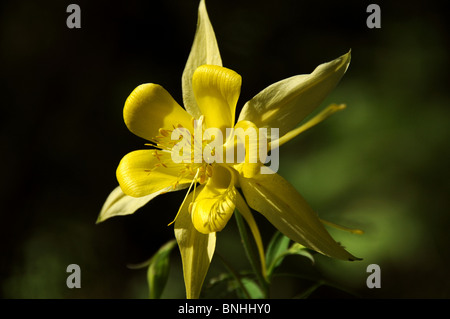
pixel 192 163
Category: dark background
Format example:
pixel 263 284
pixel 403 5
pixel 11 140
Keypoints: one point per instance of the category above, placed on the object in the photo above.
pixel 381 165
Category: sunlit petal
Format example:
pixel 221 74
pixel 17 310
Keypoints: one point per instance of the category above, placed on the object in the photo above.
pixel 204 51
pixel 215 203
pixel 216 91
pixel 141 173
pixel 150 108
pixel 247 139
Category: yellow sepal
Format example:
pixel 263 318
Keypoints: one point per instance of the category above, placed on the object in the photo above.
pixel 285 208
pixel 196 250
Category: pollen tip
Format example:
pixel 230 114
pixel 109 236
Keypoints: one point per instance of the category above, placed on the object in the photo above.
pixel 341 107
pixel 163 132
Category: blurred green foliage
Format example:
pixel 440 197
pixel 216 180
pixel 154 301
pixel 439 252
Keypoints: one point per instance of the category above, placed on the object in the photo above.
pixel 381 165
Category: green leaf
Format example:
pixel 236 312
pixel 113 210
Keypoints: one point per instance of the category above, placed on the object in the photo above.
pixel 252 289
pixel 158 270
pixel 236 278
pixel 279 248
pixel 278 245
pixel 297 249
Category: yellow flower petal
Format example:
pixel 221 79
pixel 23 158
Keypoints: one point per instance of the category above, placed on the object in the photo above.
pixel 216 91
pixel 204 51
pixel 247 138
pixel 119 204
pixel 285 208
pixel 286 103
pixel 196 250
pixel 150 108
pixel 141 173
pixel 215 203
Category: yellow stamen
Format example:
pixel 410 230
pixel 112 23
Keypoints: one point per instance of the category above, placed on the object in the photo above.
pixel 202 179
pixel 209 171
pixel 164 133
pixel 194 181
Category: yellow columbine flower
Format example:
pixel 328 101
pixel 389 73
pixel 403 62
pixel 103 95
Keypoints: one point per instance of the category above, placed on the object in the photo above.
pixel 210 95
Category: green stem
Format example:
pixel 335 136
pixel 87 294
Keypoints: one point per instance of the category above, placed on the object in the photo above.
pixel 251 253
